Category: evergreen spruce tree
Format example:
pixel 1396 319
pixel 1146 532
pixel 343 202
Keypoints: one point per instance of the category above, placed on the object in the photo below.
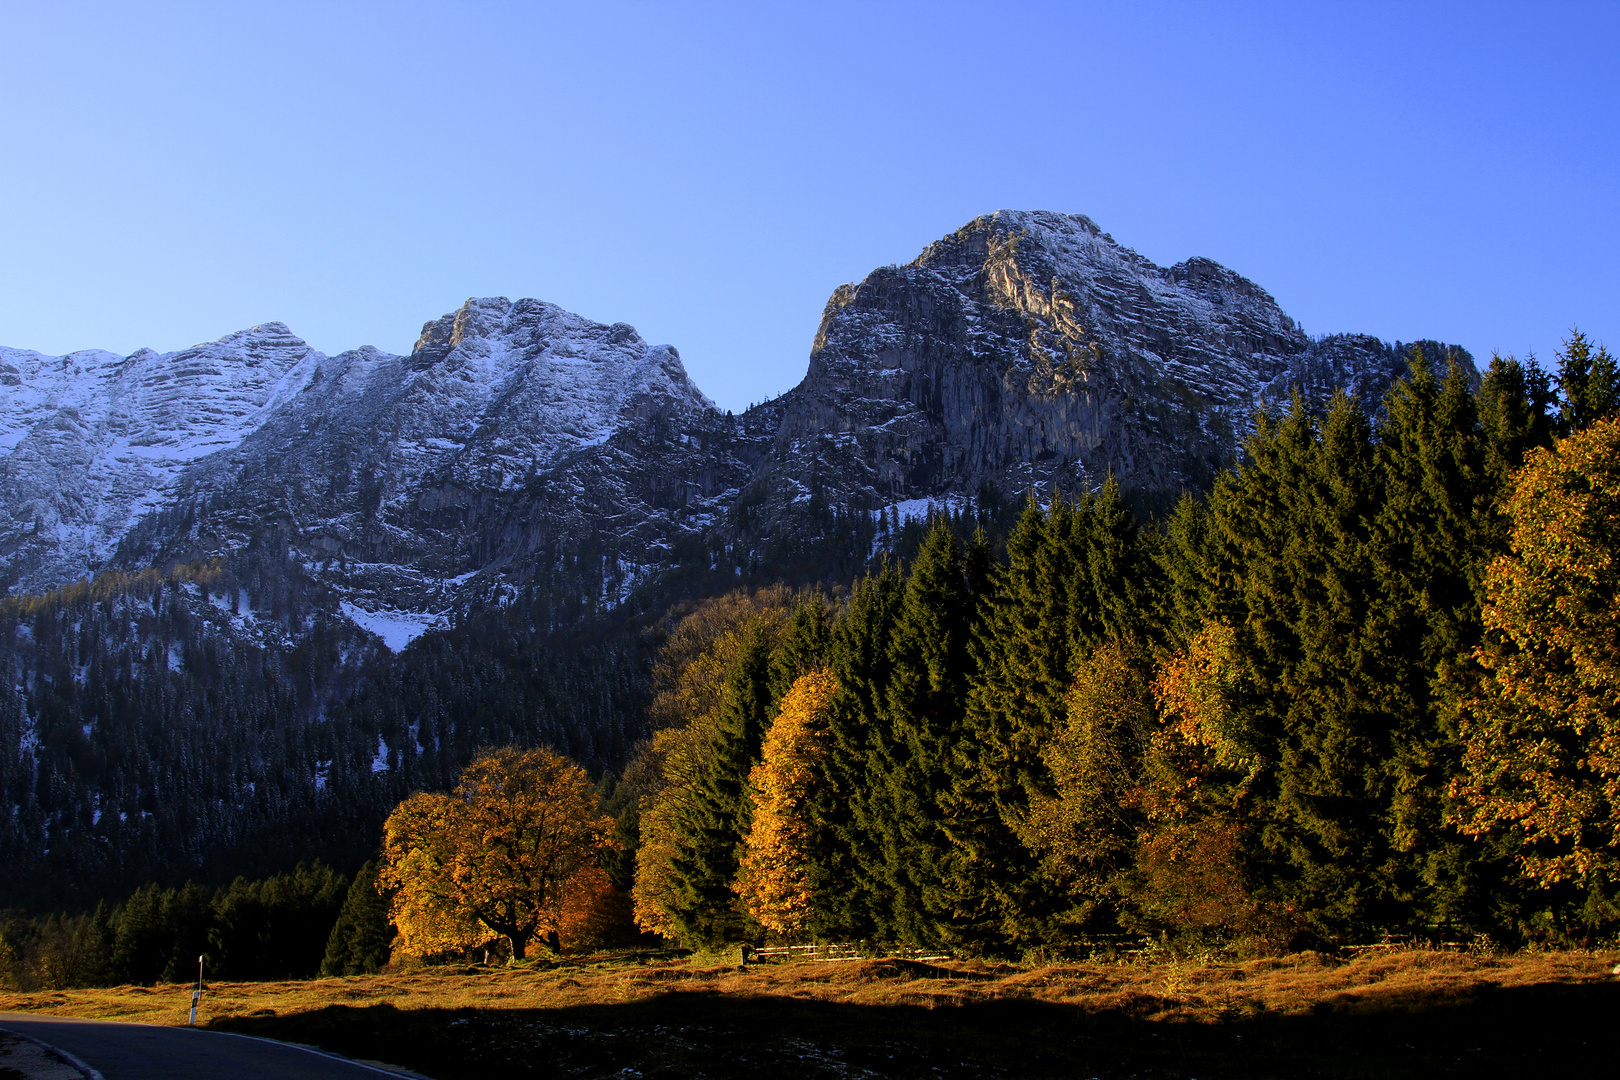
pixel 1077 575
pixel 914 747
pixel 1431 541
pixel 1588 385
pixel 1515 402
pixel 1291 527
pixel 851 885
pixel 142 941
pixel 714 822
pixel 362 936
pixel 803 647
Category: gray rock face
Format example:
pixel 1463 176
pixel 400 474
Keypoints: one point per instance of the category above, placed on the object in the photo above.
pixel 1030 349
pixel 521 447
pixel 515 440
pixel 92 442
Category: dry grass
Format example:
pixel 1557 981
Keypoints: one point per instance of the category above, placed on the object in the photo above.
pixel 613 1014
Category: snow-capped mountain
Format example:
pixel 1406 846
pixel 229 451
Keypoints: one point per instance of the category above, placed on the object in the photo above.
pixel 93 441
pixel 518 445
pixel 521 447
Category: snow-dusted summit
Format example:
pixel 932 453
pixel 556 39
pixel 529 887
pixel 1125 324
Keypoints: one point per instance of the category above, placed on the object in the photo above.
pixel 514 441
pixel 93 441
pixel 1029 349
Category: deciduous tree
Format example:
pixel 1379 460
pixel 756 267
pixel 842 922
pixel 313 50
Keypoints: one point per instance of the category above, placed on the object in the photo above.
pixel 774 878
pixel 1542 736
pixel 495 856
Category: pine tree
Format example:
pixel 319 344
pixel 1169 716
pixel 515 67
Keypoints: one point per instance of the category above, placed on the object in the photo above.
pixel 1431 540
pixel 915 744
pixel 1514 412
pixel 142 941
pixel 1076 576
pixel 1588 384
pixel 1291 527
pixel 710 830
pixel 803 647
pixel 362 936
pixel 850 881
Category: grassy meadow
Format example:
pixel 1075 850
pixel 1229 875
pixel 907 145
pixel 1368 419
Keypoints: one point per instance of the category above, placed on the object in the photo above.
pixel 1384 1013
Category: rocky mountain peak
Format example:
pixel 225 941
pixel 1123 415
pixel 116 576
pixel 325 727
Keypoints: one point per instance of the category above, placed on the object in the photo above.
pixel 1029 349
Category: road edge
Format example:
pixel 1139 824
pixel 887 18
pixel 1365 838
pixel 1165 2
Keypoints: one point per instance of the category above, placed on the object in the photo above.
pixel 84 1070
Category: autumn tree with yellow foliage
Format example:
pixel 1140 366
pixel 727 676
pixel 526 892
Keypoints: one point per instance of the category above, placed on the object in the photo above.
pixel 1542 734
pixel 774 876
pixel 497 857
pixel 689 679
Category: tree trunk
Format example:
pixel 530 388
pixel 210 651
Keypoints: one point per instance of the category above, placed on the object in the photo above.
pixel 520 944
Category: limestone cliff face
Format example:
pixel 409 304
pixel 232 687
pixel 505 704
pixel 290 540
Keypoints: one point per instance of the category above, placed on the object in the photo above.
pixel 1030 349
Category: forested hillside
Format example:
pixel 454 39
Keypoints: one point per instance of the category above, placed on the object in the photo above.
pixel 1365 687
pixel 187 725
pixel 1351 691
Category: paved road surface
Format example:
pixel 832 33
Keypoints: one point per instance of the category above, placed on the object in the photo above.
pixel 149 1052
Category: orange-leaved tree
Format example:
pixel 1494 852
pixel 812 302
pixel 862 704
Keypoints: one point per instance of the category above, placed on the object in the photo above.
pixel 1542 734
pixel 689 683
pixel 773 877
pixel 496 857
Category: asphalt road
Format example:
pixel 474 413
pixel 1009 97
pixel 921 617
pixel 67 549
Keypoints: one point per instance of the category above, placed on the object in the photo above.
pixel 149 1052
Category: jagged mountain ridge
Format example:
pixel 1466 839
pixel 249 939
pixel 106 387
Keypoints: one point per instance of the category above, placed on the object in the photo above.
pixel 519 446
pixel 1029 349
pixel 94 441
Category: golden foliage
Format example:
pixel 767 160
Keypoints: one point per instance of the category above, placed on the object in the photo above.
pixel 1084 829
pixel 688 682
pixel 594 914
pixel 690 673
pixel 1194 690
pixel 418 852
pixel 1542 734
pixel 1187 868
pixel 495 857
pixel 773 878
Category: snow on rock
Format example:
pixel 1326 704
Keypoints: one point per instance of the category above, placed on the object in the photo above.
pixel 396 628
pixel 93 441
pixel 522 450
pixel 1029 351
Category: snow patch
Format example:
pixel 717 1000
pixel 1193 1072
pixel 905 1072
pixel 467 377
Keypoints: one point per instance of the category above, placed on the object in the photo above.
pixel 923 509
pixel 396 628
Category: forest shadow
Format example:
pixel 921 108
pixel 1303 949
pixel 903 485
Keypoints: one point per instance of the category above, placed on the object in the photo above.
pixel 1560 1030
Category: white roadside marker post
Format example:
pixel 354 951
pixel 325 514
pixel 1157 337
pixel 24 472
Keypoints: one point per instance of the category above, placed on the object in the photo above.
pixel 197 993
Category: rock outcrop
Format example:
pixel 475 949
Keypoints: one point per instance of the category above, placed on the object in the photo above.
pixel 1029 349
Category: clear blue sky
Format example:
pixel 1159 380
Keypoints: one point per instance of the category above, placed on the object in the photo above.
pixel 173 172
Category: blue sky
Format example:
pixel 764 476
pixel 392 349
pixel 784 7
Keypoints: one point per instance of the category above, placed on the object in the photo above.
pixel 172 172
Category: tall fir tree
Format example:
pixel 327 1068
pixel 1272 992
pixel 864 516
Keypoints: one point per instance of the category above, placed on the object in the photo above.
pixel 1430 544
pixel 852 890
pixel 803 647
pixel 1292 525
pixel 1588 385
pixel 714 822
pixel 362 936
pixel 916 741
pixel 1076 575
